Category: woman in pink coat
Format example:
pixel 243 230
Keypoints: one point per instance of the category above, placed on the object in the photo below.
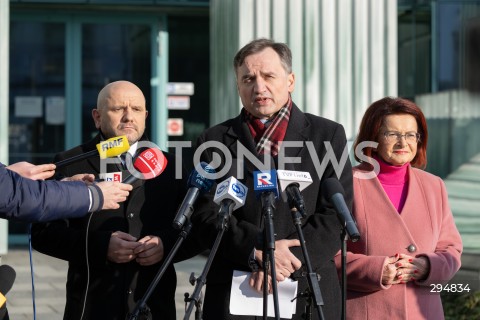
pixel 409 241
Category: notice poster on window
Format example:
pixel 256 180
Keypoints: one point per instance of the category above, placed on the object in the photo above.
pixel 55 110
pixel 28 107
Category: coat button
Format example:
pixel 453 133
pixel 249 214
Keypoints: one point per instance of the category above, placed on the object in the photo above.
pixel 411 248
pixel 130 215
pixel 129 291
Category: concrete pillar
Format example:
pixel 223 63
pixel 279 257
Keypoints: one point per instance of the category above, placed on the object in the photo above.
pixel 4 82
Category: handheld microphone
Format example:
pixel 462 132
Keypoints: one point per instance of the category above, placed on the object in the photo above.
pixel 333 191
pixel 291 183
pixel 230 195
pixel 106 149
pixel 7 277
pixel 197 184
pixel 148 164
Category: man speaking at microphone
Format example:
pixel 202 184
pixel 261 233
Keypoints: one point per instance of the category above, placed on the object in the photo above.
pixel 265 81
pixel 125 246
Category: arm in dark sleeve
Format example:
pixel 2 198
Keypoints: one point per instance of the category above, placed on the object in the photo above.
pixel 322 226
pixel 29 200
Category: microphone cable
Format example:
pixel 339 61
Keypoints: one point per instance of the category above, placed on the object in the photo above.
pixel 30 251
pixel 31 270
pixel 88 266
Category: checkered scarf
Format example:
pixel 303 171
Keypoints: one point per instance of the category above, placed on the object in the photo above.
pixel 269 138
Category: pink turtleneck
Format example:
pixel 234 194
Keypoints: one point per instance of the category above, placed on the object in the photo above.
pixel 394 180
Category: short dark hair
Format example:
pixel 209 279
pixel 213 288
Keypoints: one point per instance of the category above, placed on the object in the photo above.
pixel 374 118
pixel 258 45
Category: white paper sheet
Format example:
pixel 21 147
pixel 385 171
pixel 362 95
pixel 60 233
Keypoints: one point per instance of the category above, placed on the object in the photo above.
pixel 244 300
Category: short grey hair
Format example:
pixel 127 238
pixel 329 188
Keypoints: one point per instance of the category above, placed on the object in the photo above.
pixel 258 45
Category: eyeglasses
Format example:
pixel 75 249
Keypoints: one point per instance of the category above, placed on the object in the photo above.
pixel 394 136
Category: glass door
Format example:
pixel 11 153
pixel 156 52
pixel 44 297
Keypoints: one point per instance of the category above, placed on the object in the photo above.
pixel 112 52
pixel 37 91
pixel 37 96
pixel 58 64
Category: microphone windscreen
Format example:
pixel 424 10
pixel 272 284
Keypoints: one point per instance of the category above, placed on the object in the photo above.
pixel 113 147
pixel 197 178
pixel 330 187
pixel 151 163
pixel 7 277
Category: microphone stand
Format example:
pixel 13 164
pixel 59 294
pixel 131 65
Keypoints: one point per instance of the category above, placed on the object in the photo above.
pixel 312 278
pixel 140 307
pixel 344 238
pixel 222 224
pixel 268 205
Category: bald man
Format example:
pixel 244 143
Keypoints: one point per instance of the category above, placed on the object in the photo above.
pixel 125 247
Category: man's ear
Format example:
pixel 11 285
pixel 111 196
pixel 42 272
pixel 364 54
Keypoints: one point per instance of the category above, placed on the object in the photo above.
pixel 291 82
pixel 96 118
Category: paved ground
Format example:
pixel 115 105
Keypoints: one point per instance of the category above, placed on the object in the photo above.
pixel 50 278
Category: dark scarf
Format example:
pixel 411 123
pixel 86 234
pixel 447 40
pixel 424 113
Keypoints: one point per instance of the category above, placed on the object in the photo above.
pixel 269 137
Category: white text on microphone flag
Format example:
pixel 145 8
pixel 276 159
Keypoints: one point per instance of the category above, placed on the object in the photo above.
pixel 287 177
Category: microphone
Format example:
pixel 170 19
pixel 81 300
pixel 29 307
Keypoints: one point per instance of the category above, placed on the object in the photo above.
pixel 291 183
pixel 148 164
pixel 265 182
pixel 230 195
pixel 266 188
pixel 106 149
pixel 197 184
pixel 7 277
pixel 333 191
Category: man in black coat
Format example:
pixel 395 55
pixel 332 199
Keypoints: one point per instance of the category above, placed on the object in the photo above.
pixel 268 120
pixel 125 246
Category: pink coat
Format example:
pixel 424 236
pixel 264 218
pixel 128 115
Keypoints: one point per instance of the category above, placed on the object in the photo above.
pixel 426 222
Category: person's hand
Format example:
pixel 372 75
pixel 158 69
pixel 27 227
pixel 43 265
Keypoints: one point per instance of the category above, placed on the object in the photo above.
pixel 285 261
pixel 150 250
pixel 256 281
pixel 113 193
pixel 390 274
pixel 121 247
pixel 411 268
pixel 31 171
pixel 421 268
pixel 88 178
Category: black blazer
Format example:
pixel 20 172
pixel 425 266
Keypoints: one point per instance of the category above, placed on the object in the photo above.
pixel 115 288
pixel 321 227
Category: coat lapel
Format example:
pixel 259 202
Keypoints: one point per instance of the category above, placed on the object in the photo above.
pixel 405 228
pixel 237 134
pixel 298 130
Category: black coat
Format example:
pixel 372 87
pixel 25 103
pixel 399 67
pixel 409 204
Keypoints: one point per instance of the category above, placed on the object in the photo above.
pixel 114 288
pixel 321 227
